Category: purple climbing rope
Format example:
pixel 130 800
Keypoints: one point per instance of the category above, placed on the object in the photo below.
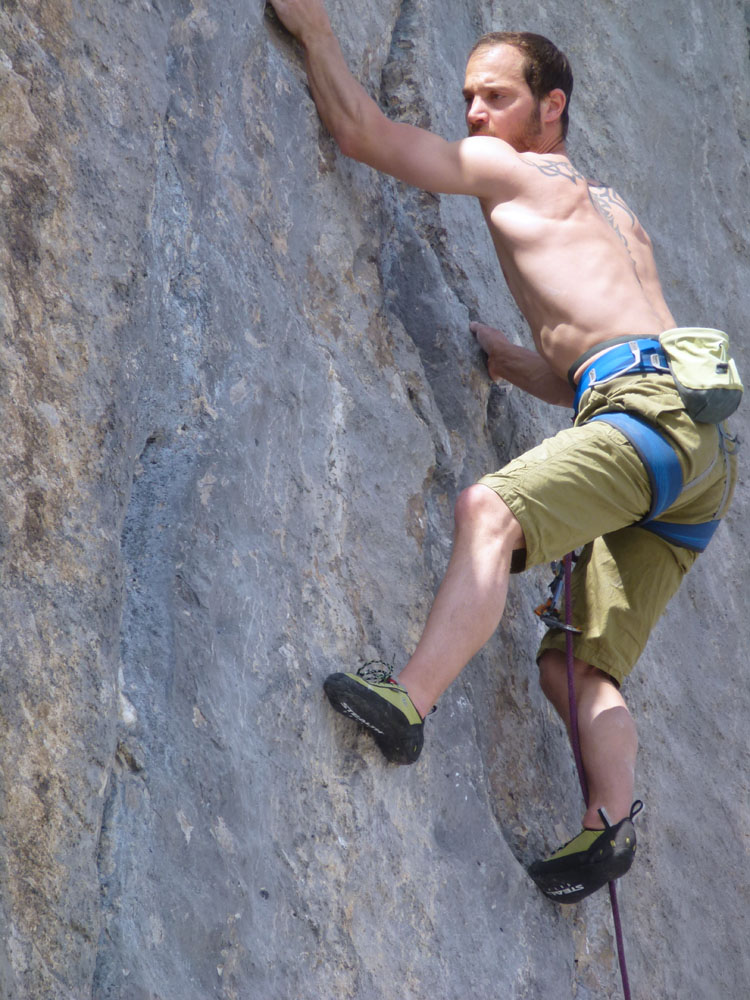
pixel 620 942
pixel 576 745
pixel 572 707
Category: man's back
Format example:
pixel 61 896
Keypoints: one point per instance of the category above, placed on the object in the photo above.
pixel 576 260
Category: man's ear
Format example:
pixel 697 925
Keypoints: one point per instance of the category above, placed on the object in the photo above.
pixel 553 106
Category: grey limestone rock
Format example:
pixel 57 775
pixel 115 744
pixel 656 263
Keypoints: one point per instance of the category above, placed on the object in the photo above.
pixel 239 399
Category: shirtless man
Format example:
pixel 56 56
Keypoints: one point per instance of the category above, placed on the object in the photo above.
pixel 581 269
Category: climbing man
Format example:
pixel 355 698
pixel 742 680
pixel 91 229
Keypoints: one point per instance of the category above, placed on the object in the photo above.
pixel 581 269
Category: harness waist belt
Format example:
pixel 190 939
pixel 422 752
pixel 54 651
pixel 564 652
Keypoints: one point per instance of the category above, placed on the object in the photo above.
pixel 633 358
pixel 665 476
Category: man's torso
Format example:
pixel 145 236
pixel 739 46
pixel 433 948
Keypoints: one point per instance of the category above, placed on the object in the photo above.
pixel 576 260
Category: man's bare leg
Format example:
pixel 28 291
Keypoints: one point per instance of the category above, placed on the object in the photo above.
pixel 606 732
pixel 470 602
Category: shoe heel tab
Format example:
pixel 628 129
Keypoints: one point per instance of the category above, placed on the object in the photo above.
pixel 636 807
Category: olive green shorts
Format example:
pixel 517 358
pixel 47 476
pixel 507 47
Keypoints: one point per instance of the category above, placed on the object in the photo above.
pixel 586 487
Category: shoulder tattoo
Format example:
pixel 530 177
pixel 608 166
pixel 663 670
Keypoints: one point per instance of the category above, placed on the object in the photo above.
pixel 554 168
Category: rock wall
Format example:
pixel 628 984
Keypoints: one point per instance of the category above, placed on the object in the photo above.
pixel 239 399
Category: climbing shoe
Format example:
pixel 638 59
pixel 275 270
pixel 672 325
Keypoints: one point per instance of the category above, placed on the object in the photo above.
pixel 372 698
pixel 588 861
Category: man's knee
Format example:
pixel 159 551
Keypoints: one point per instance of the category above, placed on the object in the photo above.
pixel 553 674
pixel 480 507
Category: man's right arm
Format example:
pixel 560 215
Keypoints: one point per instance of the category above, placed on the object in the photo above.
pixel 481 166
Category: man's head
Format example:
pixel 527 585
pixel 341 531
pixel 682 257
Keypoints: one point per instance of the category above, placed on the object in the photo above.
pixel 512 76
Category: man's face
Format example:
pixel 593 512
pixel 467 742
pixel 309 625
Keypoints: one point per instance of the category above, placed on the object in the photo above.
pixel 498 99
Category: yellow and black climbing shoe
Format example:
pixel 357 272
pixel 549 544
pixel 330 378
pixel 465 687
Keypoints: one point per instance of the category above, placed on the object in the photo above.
pixel 372 698
pixel 588 861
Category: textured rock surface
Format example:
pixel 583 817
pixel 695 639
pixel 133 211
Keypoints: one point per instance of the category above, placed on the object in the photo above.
pixel 239 398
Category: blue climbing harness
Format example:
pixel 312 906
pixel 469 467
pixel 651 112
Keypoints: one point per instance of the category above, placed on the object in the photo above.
pixel 653 448
pixel 634 357
pixel 665 475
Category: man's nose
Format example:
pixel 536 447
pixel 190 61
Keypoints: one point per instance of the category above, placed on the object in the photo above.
pixel 476 111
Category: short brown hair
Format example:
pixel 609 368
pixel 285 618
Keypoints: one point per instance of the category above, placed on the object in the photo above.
pixel 546 68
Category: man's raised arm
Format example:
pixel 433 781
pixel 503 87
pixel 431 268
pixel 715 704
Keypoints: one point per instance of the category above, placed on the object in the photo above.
pixel 481 166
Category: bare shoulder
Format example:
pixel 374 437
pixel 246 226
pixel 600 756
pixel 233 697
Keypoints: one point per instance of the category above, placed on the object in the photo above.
pixel 608 203
pixel 557 168
pixel 492 163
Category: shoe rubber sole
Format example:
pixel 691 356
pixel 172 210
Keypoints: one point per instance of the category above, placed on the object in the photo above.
pixel 399 740
pixel 571 878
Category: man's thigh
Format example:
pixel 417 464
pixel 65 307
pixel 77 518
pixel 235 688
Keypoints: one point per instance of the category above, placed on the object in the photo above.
pixel 584 482
pixel 620 587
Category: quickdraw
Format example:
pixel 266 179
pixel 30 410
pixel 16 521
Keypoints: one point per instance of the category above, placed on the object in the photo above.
pixel 549 612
